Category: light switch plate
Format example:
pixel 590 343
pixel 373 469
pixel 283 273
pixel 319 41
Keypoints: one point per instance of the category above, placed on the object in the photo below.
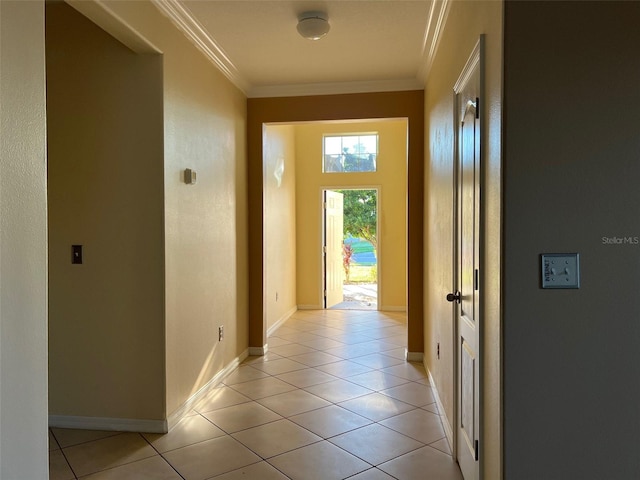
pixel 560 270
pixel 190 176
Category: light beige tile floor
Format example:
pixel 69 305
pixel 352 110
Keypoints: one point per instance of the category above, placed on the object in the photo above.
pixel 333 399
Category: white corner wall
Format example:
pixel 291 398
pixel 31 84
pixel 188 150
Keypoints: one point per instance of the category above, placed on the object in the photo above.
pixel 23 243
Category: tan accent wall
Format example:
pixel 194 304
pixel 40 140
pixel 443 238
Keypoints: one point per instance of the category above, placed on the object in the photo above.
pixel 23 242
pixel 105 165
pixel 465 23
pixel 338 107
pixel 391 181
pixel 572 163
pixel 280 222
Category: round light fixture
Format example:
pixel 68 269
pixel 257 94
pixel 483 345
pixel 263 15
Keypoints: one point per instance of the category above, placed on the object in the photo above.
pixel 313 25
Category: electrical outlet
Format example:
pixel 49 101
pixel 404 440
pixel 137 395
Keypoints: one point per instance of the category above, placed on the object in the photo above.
pixel 220 333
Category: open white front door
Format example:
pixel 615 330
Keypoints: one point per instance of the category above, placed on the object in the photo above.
pixel 333 238
pixel 467 267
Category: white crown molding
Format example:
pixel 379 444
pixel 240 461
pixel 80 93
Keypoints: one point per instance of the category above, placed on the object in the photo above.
pixel 435 26
pixel 184 20
pixel 335 88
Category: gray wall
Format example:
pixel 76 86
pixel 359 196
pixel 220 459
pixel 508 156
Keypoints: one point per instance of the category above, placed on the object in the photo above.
pixel 572 148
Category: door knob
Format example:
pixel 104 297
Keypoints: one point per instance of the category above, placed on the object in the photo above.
pixel 453 297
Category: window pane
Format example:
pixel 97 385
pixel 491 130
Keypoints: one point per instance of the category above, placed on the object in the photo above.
pixel 369 143
pixel 350 144
pixel 350 153
pixel 333 145
pixel 333 163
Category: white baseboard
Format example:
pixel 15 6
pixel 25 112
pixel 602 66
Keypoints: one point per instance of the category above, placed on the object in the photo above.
pixel 108 424
pixel 310 307
pixel 281 320
pixel 191 402
pixel 258 351
pixel 143 425
pixel 413 356
pixel 448 431
pixel 385 308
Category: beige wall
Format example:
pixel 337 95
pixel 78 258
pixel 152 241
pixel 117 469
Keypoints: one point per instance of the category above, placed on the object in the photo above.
pixel 465 22
pixel 106 316
pixel 23 248
pixel 572 146
pixel 205 224
pixel 279 222
pixel 391 181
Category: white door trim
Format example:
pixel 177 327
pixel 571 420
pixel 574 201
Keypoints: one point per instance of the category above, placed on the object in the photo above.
pixel 475 61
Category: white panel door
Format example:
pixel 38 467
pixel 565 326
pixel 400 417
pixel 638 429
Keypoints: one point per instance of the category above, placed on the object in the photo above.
pixel 467 267
pixel 334 236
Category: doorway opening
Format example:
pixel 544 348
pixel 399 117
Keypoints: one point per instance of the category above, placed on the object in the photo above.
pixel 350 256
pixel 295 175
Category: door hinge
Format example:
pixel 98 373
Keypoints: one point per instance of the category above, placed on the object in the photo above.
pixel 476 279
pixel 477 449
pixel 324 249
pixel 477 107
pixel 325 293
pixel 324 205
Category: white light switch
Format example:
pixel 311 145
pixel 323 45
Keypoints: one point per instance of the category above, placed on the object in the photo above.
pixel 560 270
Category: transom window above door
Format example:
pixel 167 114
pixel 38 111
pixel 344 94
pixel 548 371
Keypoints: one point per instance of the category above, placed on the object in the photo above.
pixel 350 153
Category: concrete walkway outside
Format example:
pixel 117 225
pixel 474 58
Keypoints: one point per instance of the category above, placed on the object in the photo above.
pixel 363 296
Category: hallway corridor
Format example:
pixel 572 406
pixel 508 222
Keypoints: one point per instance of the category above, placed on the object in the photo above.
pixel 333 399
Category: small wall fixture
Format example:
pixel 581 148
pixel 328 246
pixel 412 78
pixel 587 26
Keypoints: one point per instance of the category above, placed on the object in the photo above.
pixel 189 177
pixel 313 25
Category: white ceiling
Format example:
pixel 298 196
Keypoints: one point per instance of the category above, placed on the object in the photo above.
pixel 373 45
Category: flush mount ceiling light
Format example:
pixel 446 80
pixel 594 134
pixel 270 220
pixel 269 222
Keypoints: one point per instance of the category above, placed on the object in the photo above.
pixel 313 25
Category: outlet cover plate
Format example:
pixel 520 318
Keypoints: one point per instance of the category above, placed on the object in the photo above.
pixel 560 270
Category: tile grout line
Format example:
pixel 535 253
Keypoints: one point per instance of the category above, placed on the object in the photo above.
pixel 64 455
pixel 407 381
pixel 327 327
pixel 333 436
pixel 162 456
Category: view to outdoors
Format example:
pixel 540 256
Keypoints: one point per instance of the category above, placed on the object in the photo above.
pixel 350 153
pixel 359 252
